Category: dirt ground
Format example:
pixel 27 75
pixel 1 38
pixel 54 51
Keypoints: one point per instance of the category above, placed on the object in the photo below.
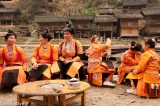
pixel 96 96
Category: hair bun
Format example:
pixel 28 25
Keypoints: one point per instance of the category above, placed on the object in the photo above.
pixel 69 25
pixel 10 31
pixel 133 43
pixel 46 30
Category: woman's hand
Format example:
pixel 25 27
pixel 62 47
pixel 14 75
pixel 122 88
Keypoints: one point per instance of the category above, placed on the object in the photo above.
pixel 35 66
pixel 67 61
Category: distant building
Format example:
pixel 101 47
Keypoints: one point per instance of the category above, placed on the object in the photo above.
pixel 82 24
pixel 54 24
pixel 134 6
pixel 152 18
pixel 128 24
pixel 105 25
pixel 8 16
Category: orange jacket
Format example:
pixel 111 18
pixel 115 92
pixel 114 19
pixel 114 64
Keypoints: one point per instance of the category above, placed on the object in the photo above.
pixel 44 57
pixel 149 67
pixel 94 53
pixel 19 57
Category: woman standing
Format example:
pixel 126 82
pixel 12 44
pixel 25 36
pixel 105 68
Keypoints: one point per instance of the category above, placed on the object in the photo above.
pixel 13 62
pixel 148 71
pixel 44 59
pixel 96 68
pixel 70 51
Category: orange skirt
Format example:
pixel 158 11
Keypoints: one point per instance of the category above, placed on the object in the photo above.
pixel 21 75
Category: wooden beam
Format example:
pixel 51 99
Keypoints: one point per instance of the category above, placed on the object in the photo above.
pixel 74 97
pixel 34 101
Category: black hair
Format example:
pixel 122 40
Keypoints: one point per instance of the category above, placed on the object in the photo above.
pixel 133 43
pixel 10 33
pixel 136 46
pixel 151 42
pixel 46 35
pixel 69 28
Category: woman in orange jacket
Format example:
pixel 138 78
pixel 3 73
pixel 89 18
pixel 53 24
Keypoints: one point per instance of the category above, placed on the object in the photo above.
pixel 97 68
pixel 129 61
pixel 148 71
pixel 70 52
pixel 44 59
pixel 13 62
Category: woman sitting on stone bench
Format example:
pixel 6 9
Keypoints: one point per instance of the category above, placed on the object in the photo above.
pixel 70 51
pixel 15 61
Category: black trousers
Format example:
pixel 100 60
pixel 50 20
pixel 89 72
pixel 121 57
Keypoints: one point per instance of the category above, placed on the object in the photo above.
pixel 65 67
pixel 38 72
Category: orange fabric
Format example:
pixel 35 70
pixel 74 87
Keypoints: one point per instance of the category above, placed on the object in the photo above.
pixel 18 57
pixel 148 69
pixel 95 64
pixel 75 49
pixel 69 55
pixel 73 70
pixel 97 79
pixel 129 61
pixel 48 57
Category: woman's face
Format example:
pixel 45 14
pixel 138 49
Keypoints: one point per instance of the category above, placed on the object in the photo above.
pixel 11 40
pixel 43 40
pixel 67 35
pixel 146 47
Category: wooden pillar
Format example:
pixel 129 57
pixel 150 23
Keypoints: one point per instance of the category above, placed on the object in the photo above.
pixel 83 99
pixel 62 100
pixel 59 35
pixel 80 34
pixel 111 34
pixel 53 34
pixel 12 22
pixel 104 36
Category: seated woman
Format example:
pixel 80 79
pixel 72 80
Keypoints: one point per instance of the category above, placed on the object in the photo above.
pixel 148 71
pixel 13 62
pixel 70 51
pixel 97 68
pixel 44 59
pixel 129 61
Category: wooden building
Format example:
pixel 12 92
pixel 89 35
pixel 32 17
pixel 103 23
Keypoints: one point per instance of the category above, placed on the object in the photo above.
pixel 128 24
pixel 152 18
pixel 106 9
pixel 8 16
pixel 82 24
pixel 54 24
pixel 105 25
pixel 134 6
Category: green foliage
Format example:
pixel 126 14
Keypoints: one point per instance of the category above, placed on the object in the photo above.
pixel 119 3
pixel 88 11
